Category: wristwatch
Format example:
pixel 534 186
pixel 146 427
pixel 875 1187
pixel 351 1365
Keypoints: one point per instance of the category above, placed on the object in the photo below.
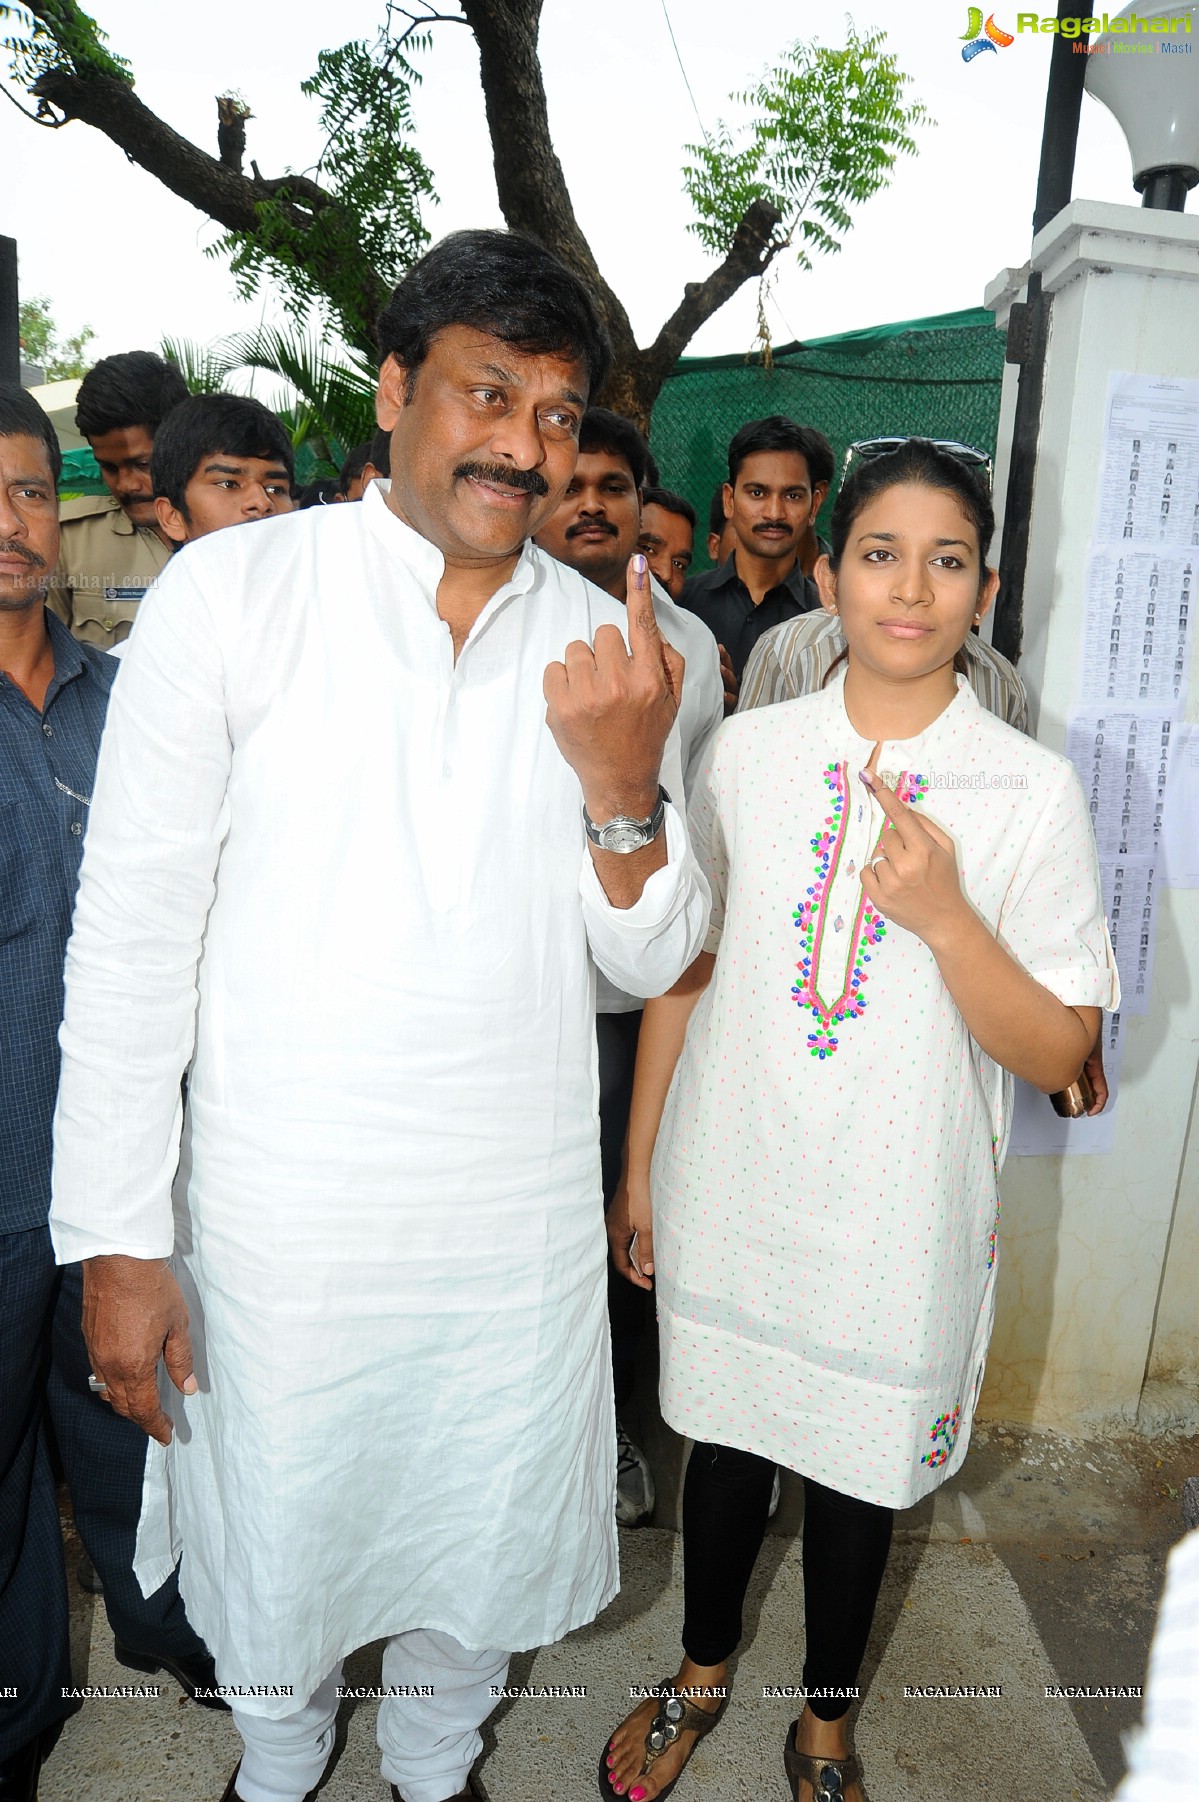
pixel 624 834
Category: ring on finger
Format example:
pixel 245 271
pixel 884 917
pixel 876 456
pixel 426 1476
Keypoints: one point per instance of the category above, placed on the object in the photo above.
pixel 881 858
pixel 96 1386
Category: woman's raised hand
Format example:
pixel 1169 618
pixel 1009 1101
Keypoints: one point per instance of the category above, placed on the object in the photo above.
pixel 913 877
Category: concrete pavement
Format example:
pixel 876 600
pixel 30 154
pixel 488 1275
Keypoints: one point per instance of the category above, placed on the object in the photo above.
pixel 1037 1568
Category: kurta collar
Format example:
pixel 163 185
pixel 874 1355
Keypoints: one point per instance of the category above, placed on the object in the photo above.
pixel 905 753
pixel 423 558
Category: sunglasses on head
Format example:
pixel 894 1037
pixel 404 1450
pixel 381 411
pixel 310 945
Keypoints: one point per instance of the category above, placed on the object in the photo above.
pixel 866 449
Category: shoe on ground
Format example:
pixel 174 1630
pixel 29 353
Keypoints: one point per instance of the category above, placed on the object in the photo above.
pixel 474 1792
pixel 196 1677
pixel 634 1483
pixel 87 1576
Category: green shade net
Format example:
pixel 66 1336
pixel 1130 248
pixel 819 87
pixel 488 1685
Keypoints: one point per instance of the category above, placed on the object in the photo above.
pixel 80 474
pixel 928 378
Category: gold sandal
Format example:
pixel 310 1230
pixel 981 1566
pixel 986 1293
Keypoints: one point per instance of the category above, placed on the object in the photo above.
pixel 827 1776
pixel 676 1714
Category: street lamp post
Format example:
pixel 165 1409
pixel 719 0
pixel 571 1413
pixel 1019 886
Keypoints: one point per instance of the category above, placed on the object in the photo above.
pixel 1028 331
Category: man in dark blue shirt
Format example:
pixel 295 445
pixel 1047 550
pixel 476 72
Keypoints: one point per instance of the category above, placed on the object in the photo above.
pixel 771 499
pixel 53 697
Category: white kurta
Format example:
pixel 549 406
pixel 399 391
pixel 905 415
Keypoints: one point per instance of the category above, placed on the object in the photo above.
pixel 825 1183
pixel 387 1221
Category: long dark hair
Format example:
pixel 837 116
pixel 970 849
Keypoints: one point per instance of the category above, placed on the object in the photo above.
pixel 916 462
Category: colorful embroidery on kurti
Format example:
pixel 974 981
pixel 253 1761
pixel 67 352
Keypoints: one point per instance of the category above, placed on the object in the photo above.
pixel 869 926
pixel 993 1239
pixel 943 1433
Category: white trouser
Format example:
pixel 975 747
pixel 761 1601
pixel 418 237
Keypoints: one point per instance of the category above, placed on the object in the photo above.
pixel 429 1743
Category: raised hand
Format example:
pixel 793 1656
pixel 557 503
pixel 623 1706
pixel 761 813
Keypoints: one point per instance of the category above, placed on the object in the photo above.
pixel 610 709
pixel 913 877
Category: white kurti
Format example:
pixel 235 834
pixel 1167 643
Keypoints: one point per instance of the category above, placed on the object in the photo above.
pixel 825 1183
pixel 387 1221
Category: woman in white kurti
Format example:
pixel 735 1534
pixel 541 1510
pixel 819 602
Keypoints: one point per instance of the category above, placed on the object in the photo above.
pixel 824 1186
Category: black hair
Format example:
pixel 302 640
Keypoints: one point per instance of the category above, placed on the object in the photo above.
pixel 822 463
pixel 319 493
pixel 671 502
pixel 716 519
pixel 920 462
pixel 602 430
pixel 21 417
pixel 378 453
pixel 209 423
pixel 917 461
pixel 356 461
pixel 500 282
pixel 778 433
pixel 135 387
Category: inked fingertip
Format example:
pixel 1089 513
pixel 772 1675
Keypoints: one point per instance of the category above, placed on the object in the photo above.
pixel 639 564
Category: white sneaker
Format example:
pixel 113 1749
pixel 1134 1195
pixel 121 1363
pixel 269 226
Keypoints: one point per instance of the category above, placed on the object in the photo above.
pixel 634 1484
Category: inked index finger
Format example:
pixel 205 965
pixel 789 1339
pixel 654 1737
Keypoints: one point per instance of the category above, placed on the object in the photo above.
pixel 645 641
pixel 901 817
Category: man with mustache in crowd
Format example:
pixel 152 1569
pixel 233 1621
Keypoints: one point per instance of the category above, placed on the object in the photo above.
pixel 53 697
pixel 113 547
pixel 770 500
pixel 667 537
pixel 380 788
pixel 595 530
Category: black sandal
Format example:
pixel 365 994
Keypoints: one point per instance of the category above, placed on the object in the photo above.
pixel 676 1714
pixel 827 1776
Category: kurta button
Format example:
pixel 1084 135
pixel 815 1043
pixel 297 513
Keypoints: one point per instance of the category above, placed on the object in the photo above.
pixel 109 624
pixel 48 729
pixel 76 828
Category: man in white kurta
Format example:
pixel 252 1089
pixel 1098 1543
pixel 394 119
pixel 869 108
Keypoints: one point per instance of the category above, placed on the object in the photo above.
pixel 336 859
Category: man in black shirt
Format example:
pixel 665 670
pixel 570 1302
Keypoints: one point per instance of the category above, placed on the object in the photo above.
pixel 771 502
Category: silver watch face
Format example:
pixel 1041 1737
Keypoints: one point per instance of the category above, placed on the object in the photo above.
pixel 623 835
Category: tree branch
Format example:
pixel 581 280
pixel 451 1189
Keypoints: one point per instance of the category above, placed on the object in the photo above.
pixel 221 193
pixel 532 189
pixel 755 245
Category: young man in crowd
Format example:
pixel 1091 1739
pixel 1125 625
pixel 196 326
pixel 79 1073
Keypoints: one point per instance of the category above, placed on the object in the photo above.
pixel 112 546
pixel 53 700
pixel 720 530
pixel 822 466
pixel 364 464
pixel 597 527
pixel 220 460
pixel 667 537
pixel 370 811
pixel 771 502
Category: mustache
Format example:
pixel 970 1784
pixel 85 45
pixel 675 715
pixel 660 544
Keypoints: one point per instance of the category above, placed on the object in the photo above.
pixel 11 549
pixel 591 525
pixel 527 481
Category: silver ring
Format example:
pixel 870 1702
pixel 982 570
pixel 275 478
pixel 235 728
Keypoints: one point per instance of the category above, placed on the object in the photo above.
pixel 96 1386
pixel 881 858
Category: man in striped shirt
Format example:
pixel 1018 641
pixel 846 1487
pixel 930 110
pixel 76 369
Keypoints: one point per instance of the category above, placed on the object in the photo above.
pixel 794 659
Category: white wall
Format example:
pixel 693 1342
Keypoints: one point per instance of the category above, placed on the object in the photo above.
pixel 1099 1284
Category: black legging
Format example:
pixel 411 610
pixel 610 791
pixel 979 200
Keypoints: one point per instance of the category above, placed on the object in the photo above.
pixel 726 1501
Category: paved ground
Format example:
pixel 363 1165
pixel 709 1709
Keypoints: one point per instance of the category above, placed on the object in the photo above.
pixel 1040 1565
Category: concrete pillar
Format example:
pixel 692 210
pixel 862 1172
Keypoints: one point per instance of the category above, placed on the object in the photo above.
pixel 1099 1283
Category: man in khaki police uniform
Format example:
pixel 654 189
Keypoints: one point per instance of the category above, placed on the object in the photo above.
pixel 112 545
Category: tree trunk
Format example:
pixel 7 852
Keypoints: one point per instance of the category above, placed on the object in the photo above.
pixel 529 181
